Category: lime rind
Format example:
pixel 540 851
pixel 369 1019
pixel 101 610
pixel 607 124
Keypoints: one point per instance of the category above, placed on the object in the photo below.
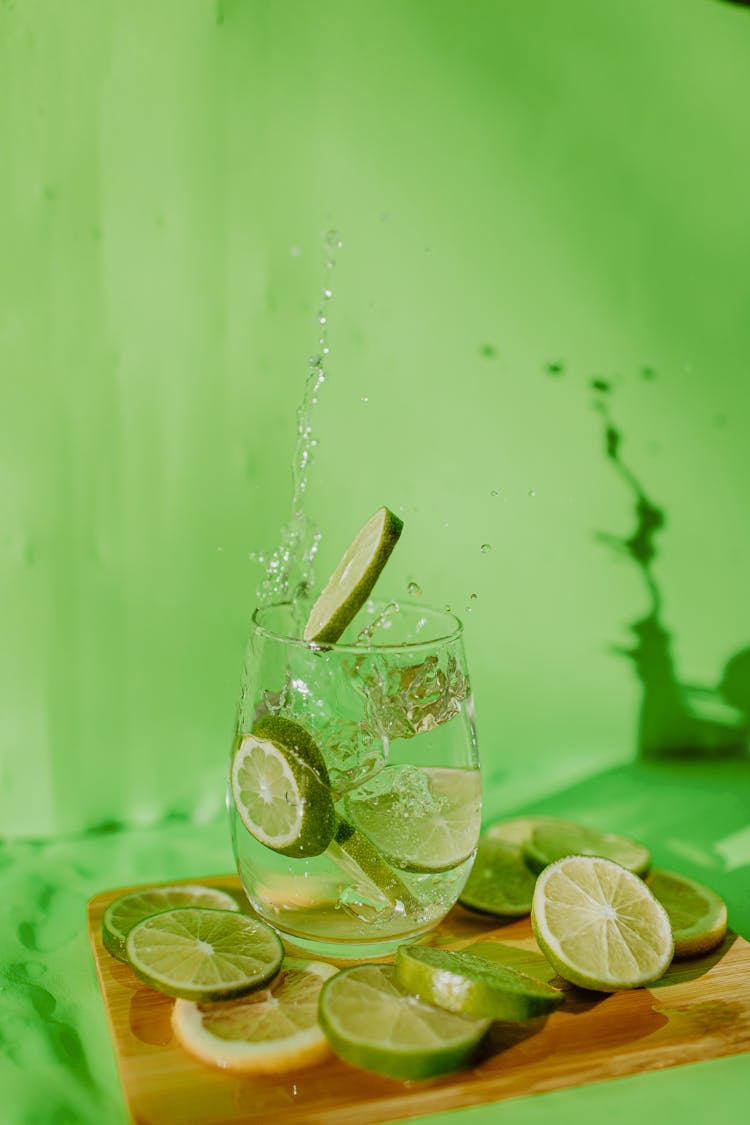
pixel 352 581
pixel 697 915
pixel 472 985
pixel 500 883
pixel 129 909
pixel 551 842
pixel 204 955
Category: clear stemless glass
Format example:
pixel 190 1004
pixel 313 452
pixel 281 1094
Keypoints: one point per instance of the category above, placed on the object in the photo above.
pixel 393 717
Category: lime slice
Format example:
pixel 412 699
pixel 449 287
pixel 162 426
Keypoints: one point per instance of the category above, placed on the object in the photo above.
pixel 472 985
pixel 122 914
pixel 355 853
pixel 281 789
pixel 350 585
pixel 273 1030
pixel 500 882
pixel 432 830
pixel 518 829
pixel 204 955
pixel 697 915
pixel 550 842
pixel 371 1022
pixel 599 925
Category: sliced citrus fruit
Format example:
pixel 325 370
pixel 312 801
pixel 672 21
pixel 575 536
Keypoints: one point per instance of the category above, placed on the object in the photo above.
pixel 352 581
pixel 371 1022
pixel 281 789
pixel 273 1030
pixel 697 915
pixel 357 854
pixel 430 831
pixel 122 914
pixel 518 829
pixel 500 882
pixel 204 955
pixel 472 985
pixel 599 925
pixel 550 842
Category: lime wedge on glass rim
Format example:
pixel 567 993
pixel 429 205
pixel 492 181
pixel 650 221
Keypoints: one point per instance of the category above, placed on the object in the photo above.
pixel 352 581
pixel 127 910
pixel 697 915
pixel 273 1030
pixel 552 841
pixel 373 1023
pixel 204 955
pixel 599 925
pixel 471 985
pixel 281 788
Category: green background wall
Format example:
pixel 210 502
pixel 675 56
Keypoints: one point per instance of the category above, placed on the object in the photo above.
pixel 517 185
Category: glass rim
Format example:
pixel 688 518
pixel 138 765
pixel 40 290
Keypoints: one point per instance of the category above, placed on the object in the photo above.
pixel 453 635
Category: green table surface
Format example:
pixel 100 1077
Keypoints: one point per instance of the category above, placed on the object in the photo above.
pixel 56 1061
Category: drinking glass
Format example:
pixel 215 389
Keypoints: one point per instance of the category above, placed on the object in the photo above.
pixel 391 711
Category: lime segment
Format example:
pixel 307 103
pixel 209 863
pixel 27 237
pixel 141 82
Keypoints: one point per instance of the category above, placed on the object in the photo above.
pixel 122 914
pixel 599 925
pixel 273 1030
pixel 371 1022
pixel 281 789
pixel 352 581
pixel 697 915
pixel 500 882
pixel 204 955
pixel 550 842
pixel 472 985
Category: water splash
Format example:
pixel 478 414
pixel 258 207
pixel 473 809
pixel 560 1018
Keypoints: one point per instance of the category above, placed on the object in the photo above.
pixel 382 621
pixel 486 548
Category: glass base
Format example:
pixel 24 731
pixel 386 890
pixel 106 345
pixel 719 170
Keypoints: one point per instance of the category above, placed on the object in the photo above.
pixel 348 951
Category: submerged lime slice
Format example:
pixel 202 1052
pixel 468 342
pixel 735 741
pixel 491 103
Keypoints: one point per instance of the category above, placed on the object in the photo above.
pixel 599 925
pixel 271 1031
pixel 697 915
pixel 126 911
pixel 281 789
pixel 500 882
pixel 430 824
pixel 204 955
pixel 550 842
pixel 472 985
pixel 371 1022
pixel 352 581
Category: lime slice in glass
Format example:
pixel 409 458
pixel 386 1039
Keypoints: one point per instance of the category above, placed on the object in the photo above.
pixel 472 985
pixel 599 925
pixel 204 955
pixel 271 1031
pixel 550 842
pixel 352 581
pixel 697 915
pixel 371 1022
pixel 500 882
pixel 363 861
pixel 281 789
pixel 122 914
pixel 425 829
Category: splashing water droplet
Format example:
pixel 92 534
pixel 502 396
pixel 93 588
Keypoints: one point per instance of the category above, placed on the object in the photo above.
pixel 414 590
pixel 295 251
pixel 365 399
pixel 532 492
pixel 473 597
pixel 494 492
pixel 485 548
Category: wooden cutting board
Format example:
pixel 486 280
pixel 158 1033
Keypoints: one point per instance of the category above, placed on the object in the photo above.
pixel 699 1010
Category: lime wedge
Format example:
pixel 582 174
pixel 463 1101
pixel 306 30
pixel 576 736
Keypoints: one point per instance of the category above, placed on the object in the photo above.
pixel 122 914
pixel 473 985
pixel 697 915
pixel 281 789
pixel 371 1022
pixel 500 882
pixel 550 842
pixel 271 1031
pixel 350 585
pixel 426 831
pixel 599 925
pixel 204 955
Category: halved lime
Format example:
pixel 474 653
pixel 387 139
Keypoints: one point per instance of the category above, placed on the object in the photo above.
pixel 550 842
pixel 273 1030
pixel 432 831
pixel 281 789
pixel 697 915
pixel 371 1022
pixel 122 914
pixel 204 955
pixel 472 985
pixel 350 585
pixel 500 882
pixel 599 925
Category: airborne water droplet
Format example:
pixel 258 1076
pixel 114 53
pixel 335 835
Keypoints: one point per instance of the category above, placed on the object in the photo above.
pixel 474 597
pixel 494 492
pixel 485 548
pixel 414 589
pixel 532 492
